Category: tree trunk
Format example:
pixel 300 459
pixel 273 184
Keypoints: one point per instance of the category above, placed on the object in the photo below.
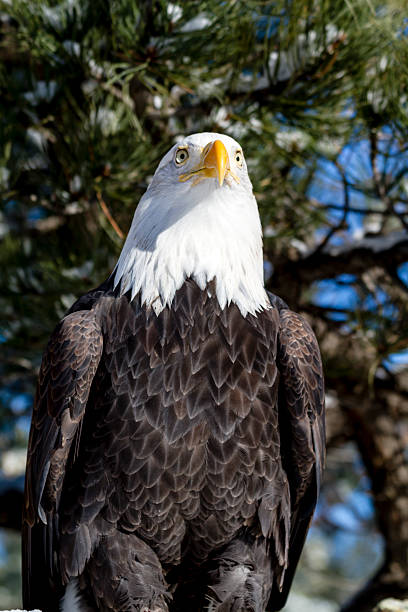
pixel 381 436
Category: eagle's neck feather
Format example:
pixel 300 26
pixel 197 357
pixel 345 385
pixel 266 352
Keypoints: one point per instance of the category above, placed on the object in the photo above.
pixel 212 238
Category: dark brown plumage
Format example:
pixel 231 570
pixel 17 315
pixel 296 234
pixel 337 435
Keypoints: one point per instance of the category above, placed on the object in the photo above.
pixel 175 459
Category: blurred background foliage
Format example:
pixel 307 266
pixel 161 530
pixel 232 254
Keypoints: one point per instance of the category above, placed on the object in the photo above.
pixel 93 92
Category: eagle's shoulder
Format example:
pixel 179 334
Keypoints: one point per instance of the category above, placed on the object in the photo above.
pixel 104 294
pixel 277 302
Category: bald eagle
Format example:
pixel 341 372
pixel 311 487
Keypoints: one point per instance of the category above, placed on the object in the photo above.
pixel 177 438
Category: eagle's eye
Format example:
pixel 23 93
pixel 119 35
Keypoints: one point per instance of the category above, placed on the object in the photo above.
pixel 238 158
pixel 181 157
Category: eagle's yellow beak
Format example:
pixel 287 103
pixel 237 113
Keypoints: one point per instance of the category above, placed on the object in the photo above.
pixel 214 163
pixel 217 158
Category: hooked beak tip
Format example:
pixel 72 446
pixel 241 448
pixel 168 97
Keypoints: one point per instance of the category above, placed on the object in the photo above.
pixel 217 158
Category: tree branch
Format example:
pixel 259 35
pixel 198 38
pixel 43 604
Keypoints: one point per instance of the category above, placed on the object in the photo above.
pixel 386 251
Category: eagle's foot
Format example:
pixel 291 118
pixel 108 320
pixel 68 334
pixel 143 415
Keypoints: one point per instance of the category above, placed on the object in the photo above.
pixel 157 607
pixel 124 573
pixel 235 593
pixel 242 578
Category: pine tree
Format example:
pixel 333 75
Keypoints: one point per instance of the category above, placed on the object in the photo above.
pixel 92 93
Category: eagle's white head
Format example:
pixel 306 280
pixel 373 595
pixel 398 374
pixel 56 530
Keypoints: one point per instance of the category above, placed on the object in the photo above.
pixel 197 219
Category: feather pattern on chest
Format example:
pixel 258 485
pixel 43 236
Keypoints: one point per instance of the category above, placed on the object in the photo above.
pixel 182 421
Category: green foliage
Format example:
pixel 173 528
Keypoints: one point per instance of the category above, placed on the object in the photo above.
pixel 92 93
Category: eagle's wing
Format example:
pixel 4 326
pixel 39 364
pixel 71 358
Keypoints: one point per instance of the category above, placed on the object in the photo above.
pixel 67 370
pixel 302 431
